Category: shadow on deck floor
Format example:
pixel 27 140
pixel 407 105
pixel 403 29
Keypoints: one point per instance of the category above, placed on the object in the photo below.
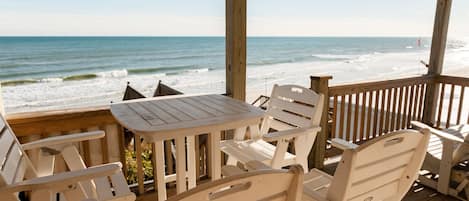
pixel 416 193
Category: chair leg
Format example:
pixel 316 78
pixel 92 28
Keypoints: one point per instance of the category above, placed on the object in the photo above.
pixel 74 162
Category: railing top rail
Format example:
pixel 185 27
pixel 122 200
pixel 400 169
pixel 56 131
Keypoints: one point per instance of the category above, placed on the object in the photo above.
pixel 31 123
pixel 377 85
pixel 463 81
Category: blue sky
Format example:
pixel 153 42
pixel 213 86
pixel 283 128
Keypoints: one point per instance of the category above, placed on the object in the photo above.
pixel 206 17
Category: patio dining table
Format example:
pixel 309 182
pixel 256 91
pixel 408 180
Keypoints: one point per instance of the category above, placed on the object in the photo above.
pixel 182 117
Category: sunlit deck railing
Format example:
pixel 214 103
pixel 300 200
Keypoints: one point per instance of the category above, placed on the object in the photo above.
pixel 382 107
pixel 359 112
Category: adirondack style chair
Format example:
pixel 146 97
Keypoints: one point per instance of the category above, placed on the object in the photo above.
pixel 446 163
pixel 381 169
pixel 295 113
pixel 257 185
pixel 17 172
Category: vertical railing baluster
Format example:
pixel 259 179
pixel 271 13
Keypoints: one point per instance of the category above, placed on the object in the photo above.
pixel 355 118
pixel 461 104
pixel 440 105
pixel 334 118
pixel 362 118
pixel 450 106
pixel 342 116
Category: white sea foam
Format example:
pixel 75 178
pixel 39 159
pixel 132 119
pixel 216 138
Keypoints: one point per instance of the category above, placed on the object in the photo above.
pixel 200 70
pixel 51 80
pixel 113 74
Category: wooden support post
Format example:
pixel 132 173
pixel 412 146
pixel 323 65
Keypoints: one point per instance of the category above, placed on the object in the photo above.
pixel 440 33
pixel 236 49
pixel 320 84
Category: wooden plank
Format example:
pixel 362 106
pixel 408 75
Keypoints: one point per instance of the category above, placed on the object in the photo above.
pixel 289 118
pixel 146 115
pixel 388 110
pixel 296 108
pixel 174 112
pixel 202 106
pixel 342 116
pixel 229 101
pixel 377 95
pixel 370 86
pixel 180 164
pixel 399 112
pixel 138 156
pixel 159 177
pixel 393 109
pixel 227 109
pixel 25 124
pixel 461 104
pixel 364 107
pixel 440 105
pixel 356 136
pixel 369 119
pixel 183 107
pixel 348 129
pixel 411 105
pixel 416 98
pixel 421 103
pixel 450 106
pixel 159 112
pixel 236 48
pixel 334 118
pixel 405 109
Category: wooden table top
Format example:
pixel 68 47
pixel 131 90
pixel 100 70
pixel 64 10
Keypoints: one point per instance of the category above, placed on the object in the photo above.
pixel 163 117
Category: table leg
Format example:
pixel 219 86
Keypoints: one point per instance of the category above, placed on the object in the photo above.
pixel 138 156
pixel 191 160
pixel 255 132
pixel 215 156
pixel 158 154
pixel 180 164
pixel 240 133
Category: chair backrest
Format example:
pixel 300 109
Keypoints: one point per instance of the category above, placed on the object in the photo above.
pixel 14 163
pixel 257 185
pixel 292 106
pixel 382 169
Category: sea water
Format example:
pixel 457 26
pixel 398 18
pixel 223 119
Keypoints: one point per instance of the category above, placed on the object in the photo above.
pixel 39 73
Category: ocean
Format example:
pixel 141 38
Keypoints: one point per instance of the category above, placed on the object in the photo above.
pixel 40 73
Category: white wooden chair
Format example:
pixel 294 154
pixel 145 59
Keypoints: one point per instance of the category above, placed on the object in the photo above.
pixel 447 160
pixel 257 185
pixel 295 113
pixel 17 173
pixel 381 169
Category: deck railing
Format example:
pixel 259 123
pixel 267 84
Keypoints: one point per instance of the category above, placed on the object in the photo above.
pixel 358 112
pixel 452 109
pixel 367 110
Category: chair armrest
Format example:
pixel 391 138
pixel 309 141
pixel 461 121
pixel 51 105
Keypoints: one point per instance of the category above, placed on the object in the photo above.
pixel 63 139
pixel 437 132
pixel 288 134
pixel 342 144
pixel 257 165
pixel 231 170
pixel 63 180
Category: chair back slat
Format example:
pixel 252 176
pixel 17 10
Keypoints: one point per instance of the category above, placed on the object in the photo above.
pixel 258 185
pixel 382 169
pixel 292 106
pixel 14 163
